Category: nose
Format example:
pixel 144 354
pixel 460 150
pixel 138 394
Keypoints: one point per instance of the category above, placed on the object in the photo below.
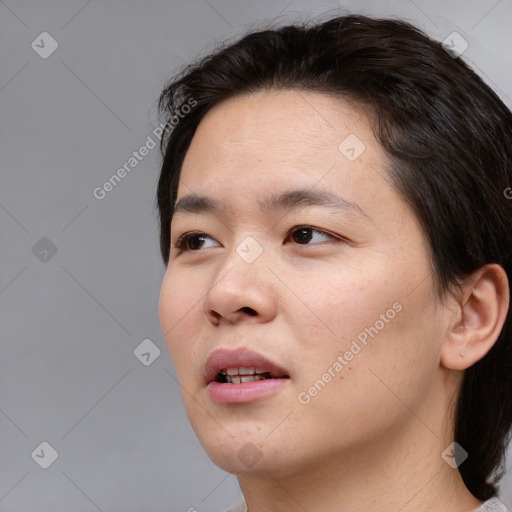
pixel 241 291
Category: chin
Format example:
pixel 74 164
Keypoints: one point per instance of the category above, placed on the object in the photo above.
pixel 249 455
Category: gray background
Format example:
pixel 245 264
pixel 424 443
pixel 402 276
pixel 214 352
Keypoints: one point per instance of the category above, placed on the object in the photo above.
pixel 70 322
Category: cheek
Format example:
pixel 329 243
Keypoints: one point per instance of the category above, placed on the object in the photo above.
pixel 329 328
pixel 365 325
pixel 340 305
pixel 178 310
pixel 355 390
pixel 167 306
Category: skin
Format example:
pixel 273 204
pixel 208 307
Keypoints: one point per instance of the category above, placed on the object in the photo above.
pixel 372 438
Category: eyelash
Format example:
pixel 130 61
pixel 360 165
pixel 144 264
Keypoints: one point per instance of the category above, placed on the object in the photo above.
pixel 181 243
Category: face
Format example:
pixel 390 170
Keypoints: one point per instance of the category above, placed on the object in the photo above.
pixel 337 298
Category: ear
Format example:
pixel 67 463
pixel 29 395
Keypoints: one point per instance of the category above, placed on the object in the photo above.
pixel 476 324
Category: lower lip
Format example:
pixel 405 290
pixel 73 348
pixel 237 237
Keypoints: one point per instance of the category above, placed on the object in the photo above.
pixel 228 393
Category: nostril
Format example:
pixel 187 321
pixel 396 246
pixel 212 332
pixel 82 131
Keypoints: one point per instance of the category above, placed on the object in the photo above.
pixel 250 311
pixel 214 320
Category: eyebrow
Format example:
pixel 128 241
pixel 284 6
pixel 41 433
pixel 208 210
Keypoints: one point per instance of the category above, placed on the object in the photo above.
pixel 289 200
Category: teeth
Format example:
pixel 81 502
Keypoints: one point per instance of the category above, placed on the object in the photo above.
pixel 242 374
pixel 240 371
pixel 248 378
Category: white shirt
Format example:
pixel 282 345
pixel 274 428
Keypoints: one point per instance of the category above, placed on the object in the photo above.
pixel 492 505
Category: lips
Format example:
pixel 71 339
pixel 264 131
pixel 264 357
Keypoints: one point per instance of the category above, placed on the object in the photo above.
pixel 223 359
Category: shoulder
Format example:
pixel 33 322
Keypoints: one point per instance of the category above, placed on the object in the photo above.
pixel 492 505
pixel 238 507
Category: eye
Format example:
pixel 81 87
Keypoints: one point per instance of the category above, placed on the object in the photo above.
pixel 190 241
pixel 302 235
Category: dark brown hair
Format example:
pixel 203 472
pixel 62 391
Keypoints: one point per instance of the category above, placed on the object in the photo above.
pixel 449 140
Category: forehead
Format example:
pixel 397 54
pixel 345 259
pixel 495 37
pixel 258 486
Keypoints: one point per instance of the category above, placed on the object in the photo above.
pixel 281 119
pixel 290 134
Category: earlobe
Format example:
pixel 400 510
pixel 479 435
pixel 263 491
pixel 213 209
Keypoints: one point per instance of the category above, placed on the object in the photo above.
pixel 481 313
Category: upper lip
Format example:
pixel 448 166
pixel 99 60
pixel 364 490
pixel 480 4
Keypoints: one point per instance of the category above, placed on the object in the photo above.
pixel 224 358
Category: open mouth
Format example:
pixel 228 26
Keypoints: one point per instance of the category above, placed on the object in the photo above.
pixel 243 367
pixel 240 375
pixel 236 376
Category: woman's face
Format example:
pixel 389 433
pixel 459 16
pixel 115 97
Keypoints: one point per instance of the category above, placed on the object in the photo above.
pixel 338 296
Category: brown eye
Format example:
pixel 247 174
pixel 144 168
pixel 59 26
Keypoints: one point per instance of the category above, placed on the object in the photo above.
pixel 191 241
pixel 304 234
pixel 195 242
